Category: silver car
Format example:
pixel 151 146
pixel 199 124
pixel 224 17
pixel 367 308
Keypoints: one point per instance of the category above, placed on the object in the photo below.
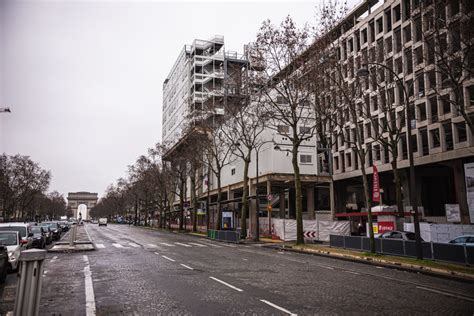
pixel 11 240
pixel 467 240
pixel 395 234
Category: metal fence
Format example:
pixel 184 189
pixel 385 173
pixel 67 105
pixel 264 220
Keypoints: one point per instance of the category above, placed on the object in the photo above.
pixel 435 251
pixel 224 235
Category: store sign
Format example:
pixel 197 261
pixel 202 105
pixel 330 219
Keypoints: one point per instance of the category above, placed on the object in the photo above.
pixel 376 186
pixel 383 227
pixel 469 177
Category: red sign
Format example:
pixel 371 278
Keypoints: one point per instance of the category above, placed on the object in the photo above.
pixel 385 226
pixel 376 186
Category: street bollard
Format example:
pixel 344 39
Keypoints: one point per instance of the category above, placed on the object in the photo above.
pixel 28 291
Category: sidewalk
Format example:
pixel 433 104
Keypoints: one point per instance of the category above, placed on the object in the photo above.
pixel 83 241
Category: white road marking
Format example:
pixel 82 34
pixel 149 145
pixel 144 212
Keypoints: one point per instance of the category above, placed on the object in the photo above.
pixel 379 267
pixel 212 245
pixel 90 298
pixel 181 244
pixel 118 246
pixel 133 244
pixel 166 244
pixel 89 236
pixel 352 272
pixel 172 260
pixel 99 246
pixel 226 284
pixel 446 293
pixel 326 267
pixel 156 253
pixel 196 244
pixel 278 307
pixel 55 257
pixel 152 245
pixel 187 267
pixel 245 259
pixel 228 245
pixel 45 271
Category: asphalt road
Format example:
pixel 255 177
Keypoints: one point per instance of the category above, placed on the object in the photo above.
pixel 140 271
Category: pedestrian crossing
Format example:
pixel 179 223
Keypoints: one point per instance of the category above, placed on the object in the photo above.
pixel 129 245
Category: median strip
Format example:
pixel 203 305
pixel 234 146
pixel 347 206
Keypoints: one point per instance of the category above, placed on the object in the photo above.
pixel 226 284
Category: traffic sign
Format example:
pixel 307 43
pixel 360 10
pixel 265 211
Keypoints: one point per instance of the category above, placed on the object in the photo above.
pixel 269 197
pixel 309 234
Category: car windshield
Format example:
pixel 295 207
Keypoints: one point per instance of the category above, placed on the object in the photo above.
pixel 8 239
pixel 53 225
pixel 20 229
pixel 410 236
pixel 36 230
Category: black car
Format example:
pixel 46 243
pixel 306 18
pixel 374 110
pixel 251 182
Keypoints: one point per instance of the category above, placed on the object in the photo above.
pixel 64 226
pixel 39 237
pixel 55 229
pixel 3 263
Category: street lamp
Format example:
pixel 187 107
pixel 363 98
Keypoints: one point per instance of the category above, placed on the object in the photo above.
pixel 6 110
pixel 364 72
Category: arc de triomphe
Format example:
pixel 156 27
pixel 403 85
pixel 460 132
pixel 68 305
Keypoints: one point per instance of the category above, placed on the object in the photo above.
pixel 74 199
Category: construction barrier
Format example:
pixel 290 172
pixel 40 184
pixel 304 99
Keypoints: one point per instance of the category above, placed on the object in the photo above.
pixel 224 235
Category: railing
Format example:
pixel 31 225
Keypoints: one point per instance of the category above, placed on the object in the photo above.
pixel 224 235
pixel 460 254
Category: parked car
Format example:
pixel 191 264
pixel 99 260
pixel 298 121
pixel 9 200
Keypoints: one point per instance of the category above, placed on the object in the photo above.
pixel 48 232
pixel 395 234
pixel 467 240
pixel 3 263
pixel 39 237
pixel 103 221
pixel 24 229
pixel 56 230
pixel 94 221
pixel 64 225
pixel 11 240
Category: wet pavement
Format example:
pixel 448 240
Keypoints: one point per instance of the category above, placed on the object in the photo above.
pixel 136 271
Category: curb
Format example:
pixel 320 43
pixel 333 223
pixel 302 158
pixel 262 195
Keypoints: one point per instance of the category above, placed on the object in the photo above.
pixel 450 275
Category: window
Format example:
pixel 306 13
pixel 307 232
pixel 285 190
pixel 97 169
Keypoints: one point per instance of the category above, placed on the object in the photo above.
pixel 305 129
pixel 448 136
pixel 388 20
pixel 406 9
pixel 378 155
pixel 434 133
pixel 414 142
pixel 454 7
pixel 348 160
pixel 283 129
pixel 432 79
pixel 336 163
pixel 379 25
pixel 397 13
pixel 434 109
pixel 421 112
pixel 461 130
pixel 421 85
pixel 408 61
pixel 388 45
pixel 371 31
pixel 232 171
pixel 418 31
pixel 470 91
pixel 398 40
pixel 363 36
pixel 418 55
pixel 424 141
pixel 403 140
pixel 446 104
pixel 306 159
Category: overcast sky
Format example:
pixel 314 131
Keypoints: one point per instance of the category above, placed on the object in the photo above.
pixel 84 78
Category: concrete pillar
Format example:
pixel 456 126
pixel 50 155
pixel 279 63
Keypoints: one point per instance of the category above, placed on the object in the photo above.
pixel 460 186
pixel 282 204
pixel 310 202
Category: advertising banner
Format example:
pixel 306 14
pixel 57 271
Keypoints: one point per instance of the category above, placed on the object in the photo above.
pixel 453 213
pixel 469 176
pixel 376 186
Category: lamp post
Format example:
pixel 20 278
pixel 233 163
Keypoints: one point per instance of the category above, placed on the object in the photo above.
pixel 364 72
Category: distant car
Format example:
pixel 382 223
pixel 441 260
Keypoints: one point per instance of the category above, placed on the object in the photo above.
pixel 103 221
pixel 94 221
pixel 11 240
pixel 64 225
pixel 3 263
pixel 56 230
pixel 24 229
pixel 39 237
pixel 467 240
pixel 395 234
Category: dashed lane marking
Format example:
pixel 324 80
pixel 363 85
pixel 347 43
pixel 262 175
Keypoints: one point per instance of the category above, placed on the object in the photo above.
pixel 352 272
pixel 167 258
pixel 187 267
pixel 196 244
pixel 212 245
pixel 181 244
pixel 152 245
pixel 90 297
pixel 118 246
pixel 166 244
pixel 100 246
pixel 156 253
pixel 278 307
pixel 226 284
pixel 133 244
pixel 228 245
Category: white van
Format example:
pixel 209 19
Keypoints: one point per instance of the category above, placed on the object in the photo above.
pixel 103 221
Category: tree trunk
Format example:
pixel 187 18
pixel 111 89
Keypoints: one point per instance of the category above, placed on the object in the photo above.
pixel 365 182
pixel 245 202
pixel 194 199
pixel 208 202
pixel 219 198
pixel 181 205
pixel 298 196
pixel 398 187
